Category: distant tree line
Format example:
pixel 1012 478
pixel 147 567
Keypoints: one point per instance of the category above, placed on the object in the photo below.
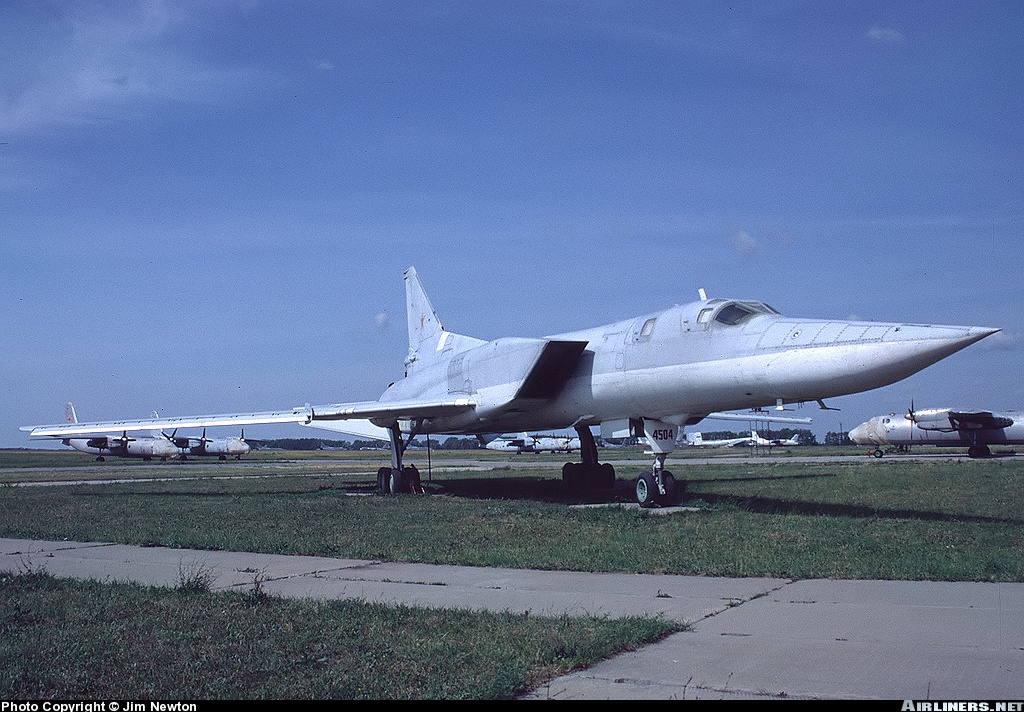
pixel 450 443
pixel 838 438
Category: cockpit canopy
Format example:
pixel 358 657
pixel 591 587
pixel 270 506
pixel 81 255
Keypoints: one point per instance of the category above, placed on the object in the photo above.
pixel 732 313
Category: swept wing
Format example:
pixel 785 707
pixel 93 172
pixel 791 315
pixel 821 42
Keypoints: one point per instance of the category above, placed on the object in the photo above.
pixel 375 415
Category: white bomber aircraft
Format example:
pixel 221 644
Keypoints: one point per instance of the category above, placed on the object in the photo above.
pixel 697 440
pixel 650 375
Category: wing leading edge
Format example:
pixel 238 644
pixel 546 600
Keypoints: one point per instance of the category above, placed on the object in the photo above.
pixel 377 415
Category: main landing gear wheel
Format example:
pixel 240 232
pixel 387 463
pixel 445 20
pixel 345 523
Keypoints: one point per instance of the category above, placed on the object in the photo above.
pixel 384 480
pixel 979 451
pixel 588 476
pixel 394 481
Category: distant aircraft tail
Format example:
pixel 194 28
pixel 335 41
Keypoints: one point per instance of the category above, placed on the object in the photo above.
pixel 69 413
pixel 427 337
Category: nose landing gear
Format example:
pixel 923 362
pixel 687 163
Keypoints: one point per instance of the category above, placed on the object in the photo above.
pixel 658 488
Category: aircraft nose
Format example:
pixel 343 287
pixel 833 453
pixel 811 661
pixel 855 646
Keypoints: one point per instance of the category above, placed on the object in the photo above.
pixel 851 357
pixel 923 345
pixel 859 435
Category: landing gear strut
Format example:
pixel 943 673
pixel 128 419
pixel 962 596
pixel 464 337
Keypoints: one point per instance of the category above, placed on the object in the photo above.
pixel 589 474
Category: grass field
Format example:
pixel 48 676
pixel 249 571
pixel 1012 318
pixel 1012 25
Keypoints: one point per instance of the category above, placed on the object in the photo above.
pixel 894 518
pixel 950 519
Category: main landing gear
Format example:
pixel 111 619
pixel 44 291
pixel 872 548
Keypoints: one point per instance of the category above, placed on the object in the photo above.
pixel 589 474
pixel 399 478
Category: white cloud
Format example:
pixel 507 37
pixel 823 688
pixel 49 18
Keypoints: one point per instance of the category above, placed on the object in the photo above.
pixel 885 35
pixel 744 243
pixel 1001 341
pixel 95 64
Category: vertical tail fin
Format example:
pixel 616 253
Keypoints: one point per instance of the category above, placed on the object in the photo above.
pixel 428 339
pixel 424 326
pixel 69 413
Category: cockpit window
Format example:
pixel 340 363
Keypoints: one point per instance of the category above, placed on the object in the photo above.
pixel 738 312
pixel 733 314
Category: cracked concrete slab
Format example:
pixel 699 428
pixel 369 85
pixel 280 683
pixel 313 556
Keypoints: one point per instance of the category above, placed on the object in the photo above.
pixel 754 638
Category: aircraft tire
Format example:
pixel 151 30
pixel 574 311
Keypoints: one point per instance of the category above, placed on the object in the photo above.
pixel 412 476
pixel 384 480
pixel 573 475
pixel 399 483
pixel 646 491
pixel 603 476
pixel 877 452
pixel 672 493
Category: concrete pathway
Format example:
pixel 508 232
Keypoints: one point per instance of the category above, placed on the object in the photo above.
pixel 751 638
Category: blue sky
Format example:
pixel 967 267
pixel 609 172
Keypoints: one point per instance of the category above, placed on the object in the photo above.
pixel 207 206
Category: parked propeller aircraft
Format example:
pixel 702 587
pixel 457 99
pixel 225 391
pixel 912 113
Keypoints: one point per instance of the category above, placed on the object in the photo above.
pixel 124 445
pixel 221 448
pixel 976 429
pixel 534 443
pixel 650 376
pixel 148 447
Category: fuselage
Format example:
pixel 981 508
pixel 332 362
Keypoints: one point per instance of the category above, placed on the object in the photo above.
pixel 164 448
pixel 677 366
pixel 223 448
pixel 143 447
pixel 535 444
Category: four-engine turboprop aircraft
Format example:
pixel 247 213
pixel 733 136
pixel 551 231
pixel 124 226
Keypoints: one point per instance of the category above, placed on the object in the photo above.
pixel 975 429
pixel 534 443
pixel 123 445
pixel 650 375
pixel 148 447
pixel 221 448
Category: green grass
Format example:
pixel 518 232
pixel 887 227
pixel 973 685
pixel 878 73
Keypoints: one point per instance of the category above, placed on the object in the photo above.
pixel 890 519
pixel 857 518
pixel 85 640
